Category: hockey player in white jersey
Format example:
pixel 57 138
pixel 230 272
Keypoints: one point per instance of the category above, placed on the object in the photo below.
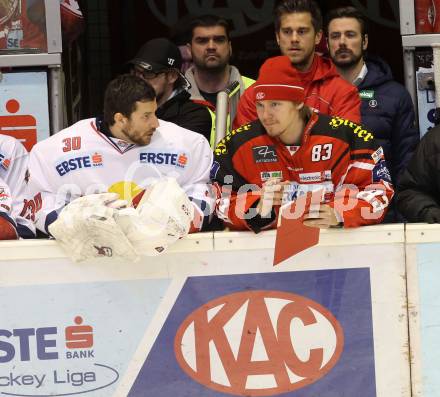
pixel 13 166
pixel 124 152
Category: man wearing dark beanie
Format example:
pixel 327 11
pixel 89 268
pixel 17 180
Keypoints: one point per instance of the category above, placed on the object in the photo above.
pixel 291 150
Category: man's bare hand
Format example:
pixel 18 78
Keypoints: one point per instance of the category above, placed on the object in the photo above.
pixel 323 219
pixel 271 195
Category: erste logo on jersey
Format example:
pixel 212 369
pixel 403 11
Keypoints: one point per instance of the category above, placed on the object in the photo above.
pixel 259 343
pixel 179 160
pixel 4 162
pixel 79 162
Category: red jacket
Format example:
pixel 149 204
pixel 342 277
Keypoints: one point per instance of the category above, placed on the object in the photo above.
pixel 335 155
pixel 326 92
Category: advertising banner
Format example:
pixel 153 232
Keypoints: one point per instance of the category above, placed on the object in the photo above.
pixel 265 335
pixel 24 107
pixel 330 321
pixel 72 339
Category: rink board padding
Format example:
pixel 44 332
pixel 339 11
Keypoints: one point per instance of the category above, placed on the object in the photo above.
pixel 209 318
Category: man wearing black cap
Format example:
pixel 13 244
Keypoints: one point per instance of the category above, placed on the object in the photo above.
pixel 158 62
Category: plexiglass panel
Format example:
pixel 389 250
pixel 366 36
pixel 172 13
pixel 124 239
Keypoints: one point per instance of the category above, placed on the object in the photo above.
pixel 22 26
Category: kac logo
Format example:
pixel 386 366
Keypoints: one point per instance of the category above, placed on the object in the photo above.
pixel 258 343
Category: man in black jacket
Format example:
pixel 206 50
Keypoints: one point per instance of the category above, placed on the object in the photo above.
pixel 158 62
pixel 418 189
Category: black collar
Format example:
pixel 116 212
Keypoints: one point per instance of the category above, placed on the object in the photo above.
pixel 103 127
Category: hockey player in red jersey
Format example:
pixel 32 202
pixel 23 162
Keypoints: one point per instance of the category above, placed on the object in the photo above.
pixel 292 150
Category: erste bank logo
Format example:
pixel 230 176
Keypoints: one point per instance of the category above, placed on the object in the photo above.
pixel 259 343
pixel 179 160
pixel 79 162
pixel 51 361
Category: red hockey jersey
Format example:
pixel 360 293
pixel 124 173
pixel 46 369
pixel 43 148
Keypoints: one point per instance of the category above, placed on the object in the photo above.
pixel 336 155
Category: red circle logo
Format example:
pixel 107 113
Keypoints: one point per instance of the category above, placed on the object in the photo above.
pixel 12 106
pixel 259 343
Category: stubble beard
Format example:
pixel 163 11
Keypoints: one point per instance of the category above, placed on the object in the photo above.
pixel 305 62
pixel 348 63
pixel 214 69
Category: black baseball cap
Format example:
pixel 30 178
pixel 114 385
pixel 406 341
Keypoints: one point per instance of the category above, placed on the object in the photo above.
pixel 157 55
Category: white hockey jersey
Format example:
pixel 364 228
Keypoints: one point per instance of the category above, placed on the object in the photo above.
pixel 6 202
pixel 13 166
pixel 8 227
pixel 81 160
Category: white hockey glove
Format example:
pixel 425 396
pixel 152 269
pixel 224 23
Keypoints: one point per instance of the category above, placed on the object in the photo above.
pixel 86 228
pixel 163 215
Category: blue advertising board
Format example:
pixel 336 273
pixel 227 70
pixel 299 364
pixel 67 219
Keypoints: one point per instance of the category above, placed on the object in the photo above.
pixel 72 339
pixel 301 334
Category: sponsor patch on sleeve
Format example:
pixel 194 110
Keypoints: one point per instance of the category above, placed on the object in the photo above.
pixel 381 172
pixel 377 155
pixel 266 175
pixel 214 169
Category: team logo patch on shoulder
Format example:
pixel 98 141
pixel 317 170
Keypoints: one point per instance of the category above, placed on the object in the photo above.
pixel 377 155
pixel 264 154
pixel 381 172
